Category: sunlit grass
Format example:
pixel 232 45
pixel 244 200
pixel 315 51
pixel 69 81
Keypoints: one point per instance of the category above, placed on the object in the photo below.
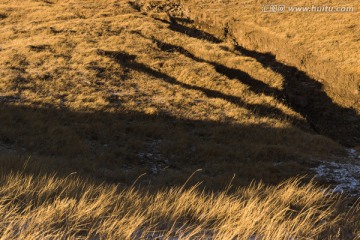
pixel 108 90
pixel 48 207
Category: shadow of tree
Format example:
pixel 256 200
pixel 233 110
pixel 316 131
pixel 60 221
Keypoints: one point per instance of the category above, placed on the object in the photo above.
pixel 128 60
pixel 303 93
pixel 118 147
pixel 255 85
pixel 328 118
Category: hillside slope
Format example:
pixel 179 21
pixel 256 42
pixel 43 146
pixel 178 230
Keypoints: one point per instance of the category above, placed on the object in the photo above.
pixel 175 119
pixel 128 93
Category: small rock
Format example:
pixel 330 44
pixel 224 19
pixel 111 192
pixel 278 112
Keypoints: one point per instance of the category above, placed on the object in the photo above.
pixel 154 169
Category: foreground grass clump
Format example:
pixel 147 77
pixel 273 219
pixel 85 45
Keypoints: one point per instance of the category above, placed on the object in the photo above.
pixel 47 207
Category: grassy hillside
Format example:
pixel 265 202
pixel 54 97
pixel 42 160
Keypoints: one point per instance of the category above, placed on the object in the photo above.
pixel 105 83
pixel 110 90
pixel 315 51
pixel 324 43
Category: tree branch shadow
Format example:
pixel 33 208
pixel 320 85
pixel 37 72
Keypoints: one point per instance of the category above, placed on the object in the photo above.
pixel 339 123
pixel 302 93
pixel 128 60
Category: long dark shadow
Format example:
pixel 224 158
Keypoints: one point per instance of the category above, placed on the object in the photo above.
pixel 189 31
pixel 303 93
pixel 254 85
pixel 339 123
pixel 128 60
pixel 120 146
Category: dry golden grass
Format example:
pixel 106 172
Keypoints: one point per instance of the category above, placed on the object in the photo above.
pixel 111 89
pixel 47 207
pixel 130 93
pixel 324 44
